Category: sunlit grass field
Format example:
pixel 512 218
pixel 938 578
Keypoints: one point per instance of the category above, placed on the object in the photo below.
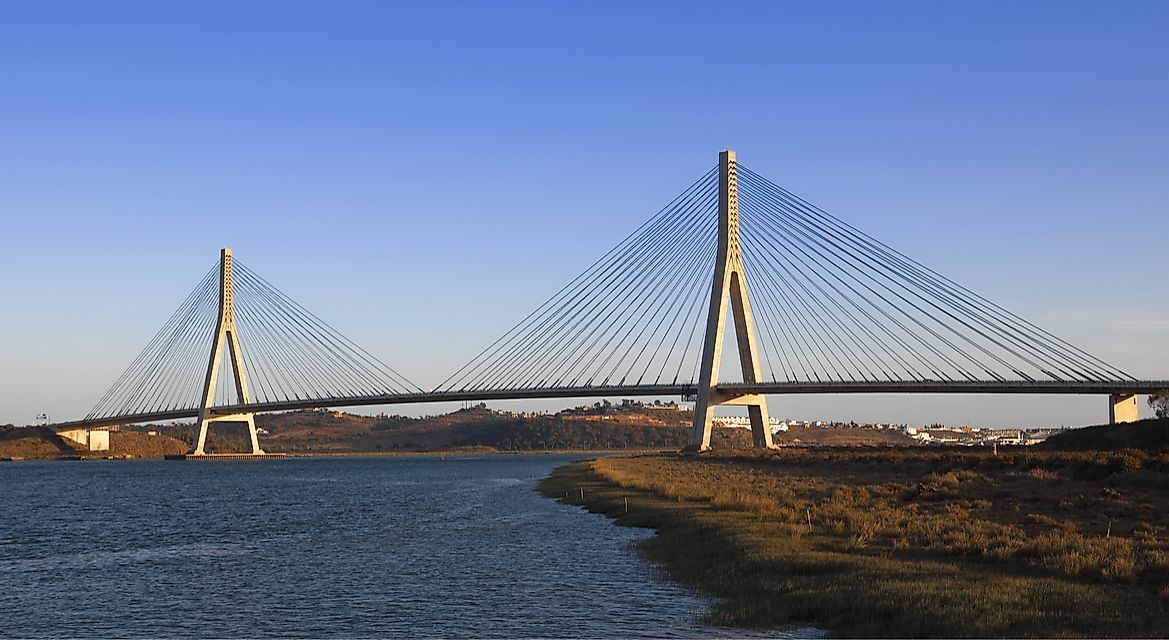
pixel 901 542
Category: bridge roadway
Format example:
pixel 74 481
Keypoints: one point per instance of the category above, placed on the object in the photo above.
pixel 1124 387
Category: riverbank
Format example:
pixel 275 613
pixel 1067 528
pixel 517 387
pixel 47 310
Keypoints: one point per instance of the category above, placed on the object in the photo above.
pixel 474 452
pixel 902 542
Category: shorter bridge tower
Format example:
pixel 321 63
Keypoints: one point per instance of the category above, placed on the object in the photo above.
pixel 225 334
pixel 730 285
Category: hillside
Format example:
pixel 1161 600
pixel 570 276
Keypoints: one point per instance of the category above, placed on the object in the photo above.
pixel 842 436
pixel 1147 435
pixel 42 443
pixel 133 443
pixel 629 427
pixel 33 443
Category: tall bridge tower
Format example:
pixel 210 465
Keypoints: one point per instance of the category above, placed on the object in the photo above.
pixel 225 333
pixel 730 285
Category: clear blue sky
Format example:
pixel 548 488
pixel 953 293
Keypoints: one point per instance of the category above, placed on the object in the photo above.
pixel 423 174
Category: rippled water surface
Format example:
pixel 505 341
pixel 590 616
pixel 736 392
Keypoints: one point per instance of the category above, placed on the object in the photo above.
pixel 461 547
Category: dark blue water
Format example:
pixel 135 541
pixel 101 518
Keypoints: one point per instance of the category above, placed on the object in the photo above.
pixel 320 547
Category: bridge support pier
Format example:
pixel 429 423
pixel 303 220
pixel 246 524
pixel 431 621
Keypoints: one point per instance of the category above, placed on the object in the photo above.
pixel 1122 407
pixel 225 332
pixel 729 286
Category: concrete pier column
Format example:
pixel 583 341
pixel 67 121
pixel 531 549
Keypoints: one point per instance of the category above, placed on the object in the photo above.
pixel 1122 407
pixel 225 334
pixel 729 287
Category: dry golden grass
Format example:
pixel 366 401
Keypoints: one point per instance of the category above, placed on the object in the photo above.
pixel 906 543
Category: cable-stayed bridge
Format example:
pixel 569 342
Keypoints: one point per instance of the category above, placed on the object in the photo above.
pixel 816 306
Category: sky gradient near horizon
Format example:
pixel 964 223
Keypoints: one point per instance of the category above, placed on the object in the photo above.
pixel 422 175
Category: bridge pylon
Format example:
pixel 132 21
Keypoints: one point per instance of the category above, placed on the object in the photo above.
pixel 225 334
pixel 729 286
pixel 1122 408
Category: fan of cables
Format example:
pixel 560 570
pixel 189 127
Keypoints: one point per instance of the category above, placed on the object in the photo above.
pixel 288 354
pixel 830 303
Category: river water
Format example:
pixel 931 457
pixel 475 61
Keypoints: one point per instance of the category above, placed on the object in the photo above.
pixel 321 547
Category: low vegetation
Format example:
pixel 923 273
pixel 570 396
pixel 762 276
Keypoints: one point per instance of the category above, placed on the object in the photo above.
pixel 903 542
pixel 1149 435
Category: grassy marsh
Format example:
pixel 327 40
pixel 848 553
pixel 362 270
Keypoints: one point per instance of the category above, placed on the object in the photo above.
pixel 903 542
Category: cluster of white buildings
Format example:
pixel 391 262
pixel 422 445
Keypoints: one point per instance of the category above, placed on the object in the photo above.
pixel 980 436
pixel 744 422
pixel 778 425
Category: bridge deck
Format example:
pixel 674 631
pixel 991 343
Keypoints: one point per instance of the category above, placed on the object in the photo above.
pixel 1136 387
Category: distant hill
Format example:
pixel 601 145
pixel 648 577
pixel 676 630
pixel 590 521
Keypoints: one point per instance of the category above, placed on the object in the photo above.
pixel 604 427
pixel 629 425
pixel 1148 435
